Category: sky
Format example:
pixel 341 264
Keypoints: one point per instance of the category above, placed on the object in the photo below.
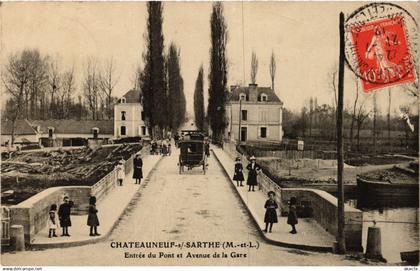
pixel 302 35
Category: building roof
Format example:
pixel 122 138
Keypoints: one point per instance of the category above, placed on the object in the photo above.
pixel 23 127
pixel 237 90
pixel 132 96
pixel 75 126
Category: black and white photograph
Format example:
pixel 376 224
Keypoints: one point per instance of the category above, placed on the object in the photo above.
pixel 209 133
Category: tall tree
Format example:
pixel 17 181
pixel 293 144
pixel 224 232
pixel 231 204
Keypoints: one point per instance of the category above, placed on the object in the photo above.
pixel 218 72
pixel 311 112
pixel 69 88
pixel 153 79
pixel 107 83
pixel 199 100
pixel 273 67
pixel 176 97
pixel 15 80
pixel 254 67
pixel 91 88
pixel 54 82
pixel 389 116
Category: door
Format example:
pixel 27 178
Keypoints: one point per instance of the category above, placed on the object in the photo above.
pixel 243 134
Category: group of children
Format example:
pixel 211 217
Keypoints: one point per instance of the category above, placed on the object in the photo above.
pixel 63 216
pixel 270 205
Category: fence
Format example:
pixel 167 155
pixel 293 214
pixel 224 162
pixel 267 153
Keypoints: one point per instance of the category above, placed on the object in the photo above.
pixel 107 183
pixel 5 226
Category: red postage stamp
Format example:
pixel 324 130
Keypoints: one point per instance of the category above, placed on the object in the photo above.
pixel 382 53
pixel 380 41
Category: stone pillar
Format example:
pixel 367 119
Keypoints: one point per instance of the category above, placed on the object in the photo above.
pixel 17 237
pixel 374 244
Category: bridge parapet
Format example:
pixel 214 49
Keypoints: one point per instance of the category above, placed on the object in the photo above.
pixel 318 204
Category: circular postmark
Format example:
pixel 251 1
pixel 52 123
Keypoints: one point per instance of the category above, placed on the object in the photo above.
pixel 381 45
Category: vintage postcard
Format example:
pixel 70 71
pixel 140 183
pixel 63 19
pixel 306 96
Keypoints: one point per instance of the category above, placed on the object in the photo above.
pixel 209 133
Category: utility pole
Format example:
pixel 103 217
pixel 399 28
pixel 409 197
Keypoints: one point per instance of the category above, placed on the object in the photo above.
pixel 240 119
pixel 341 249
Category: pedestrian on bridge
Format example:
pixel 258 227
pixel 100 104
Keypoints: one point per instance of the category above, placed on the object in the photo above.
pixel 238 175
pixel 137 168
pixel 93 221
pixel 254 169
pixel 64 215
pixel 120 172
pixel 292 219
pixel 52 221
pixel 270 211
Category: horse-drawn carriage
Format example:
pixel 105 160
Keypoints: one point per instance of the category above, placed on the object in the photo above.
pixel 192 151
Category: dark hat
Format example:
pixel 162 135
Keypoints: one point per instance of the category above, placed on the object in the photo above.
pixel 238 158
pixel 53 207
pixel 293 200
pixel 271 193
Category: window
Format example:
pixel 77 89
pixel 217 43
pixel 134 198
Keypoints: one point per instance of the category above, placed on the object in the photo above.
pixel 263 97
pixel 263 132
pixel 143 130
pixel 243 97
pixel 122 100
pixel 122 115
pixel 244 115
pixel 95 132
pixel 122 131
pixel 142 115
pixel 50 132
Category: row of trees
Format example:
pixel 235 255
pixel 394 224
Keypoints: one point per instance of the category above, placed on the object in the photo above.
pixel 37 87
pixel 161 82
pixel 318 122
pixel 217 77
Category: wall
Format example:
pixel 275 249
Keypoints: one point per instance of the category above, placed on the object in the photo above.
pixel 33 212
pixel 323 204
pixel 324 207
pixel 132 119
pixel 266 114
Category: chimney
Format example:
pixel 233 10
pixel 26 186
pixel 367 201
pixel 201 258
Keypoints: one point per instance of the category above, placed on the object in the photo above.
pixel 253 93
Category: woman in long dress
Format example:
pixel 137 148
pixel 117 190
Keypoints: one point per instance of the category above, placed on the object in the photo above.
pixel 137 168
pixel 254 169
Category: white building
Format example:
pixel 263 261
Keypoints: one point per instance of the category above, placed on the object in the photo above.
pixel 129 116
pixel 255 113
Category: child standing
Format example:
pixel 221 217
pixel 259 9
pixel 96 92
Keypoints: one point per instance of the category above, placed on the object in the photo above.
pixel 292 219
pixel 238 176
pixel 52 221
pixel 270 211
pixel 93 220
pixel 254 169
pixel 64 212
pixel 120 172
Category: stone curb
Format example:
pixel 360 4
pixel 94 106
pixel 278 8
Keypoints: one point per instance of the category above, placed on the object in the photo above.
pixel 262 234
pixel 106 235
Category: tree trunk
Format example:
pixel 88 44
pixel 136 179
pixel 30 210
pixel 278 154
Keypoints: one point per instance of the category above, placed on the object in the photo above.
pixel 358 137
pixel 389 116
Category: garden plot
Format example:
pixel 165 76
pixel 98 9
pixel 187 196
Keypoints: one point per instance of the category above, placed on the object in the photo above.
pixel 26 174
